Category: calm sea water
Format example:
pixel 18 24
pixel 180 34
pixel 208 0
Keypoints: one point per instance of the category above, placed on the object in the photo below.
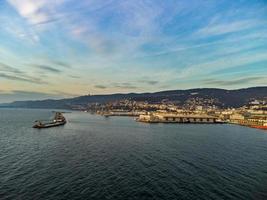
pixel 92 157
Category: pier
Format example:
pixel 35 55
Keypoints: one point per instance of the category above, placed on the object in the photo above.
pixel 121 113
pixel 175 118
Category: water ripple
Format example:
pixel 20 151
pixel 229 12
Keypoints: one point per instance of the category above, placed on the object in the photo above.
pixel 95 158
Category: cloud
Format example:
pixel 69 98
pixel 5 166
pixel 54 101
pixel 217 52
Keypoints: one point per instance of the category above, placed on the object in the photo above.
pixel 47 68
pixel 100 86
pixel 36 12
pixel 73 76
pixel 222 63
pixel 20 95
pixel 24 79
pixel 120 29
pixel 16 28
pixel 65 94
pixel 240 81
pixel 7 68
pixel 117 86
pixel 150 82
pixel 124 86
pixel 187 45
pixel 62 64
pixel 12 73
pixel 229 27
pixel 98 37
pixel 46 22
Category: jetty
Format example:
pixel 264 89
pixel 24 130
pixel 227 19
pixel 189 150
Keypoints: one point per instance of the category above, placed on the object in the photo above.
pixel 59 120
pixel 176 118
pixel 121 113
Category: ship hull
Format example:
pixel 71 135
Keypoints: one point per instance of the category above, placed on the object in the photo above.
pixel 260 127
pixel 59 120
pixel 49 125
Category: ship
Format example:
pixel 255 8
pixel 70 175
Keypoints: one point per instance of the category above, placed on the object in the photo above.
pixel 59 120
pixel 255 123
pixel 262 126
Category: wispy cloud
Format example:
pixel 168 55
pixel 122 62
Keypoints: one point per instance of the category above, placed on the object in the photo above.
pixel 109 45
pixel 22 95
pixel 222 63
pixel 122 86
pixel 134 22
pixel 18 78
pixel 65 94
pixel 74 76
pixel 23 33
pixel 100 86
pixel 62 64
pixel 149 82
pixel 229 27
pixel 36 12
pixel 47 68
pixel 192 43
pixel 12 73
pixel 7 68
pixel 241 81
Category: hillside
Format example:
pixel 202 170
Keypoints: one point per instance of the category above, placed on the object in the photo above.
pixel 222 97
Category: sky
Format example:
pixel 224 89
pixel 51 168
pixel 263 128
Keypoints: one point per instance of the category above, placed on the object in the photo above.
pixel 66 48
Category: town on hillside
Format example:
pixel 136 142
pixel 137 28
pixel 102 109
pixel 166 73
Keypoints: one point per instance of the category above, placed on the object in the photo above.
pixel 194 110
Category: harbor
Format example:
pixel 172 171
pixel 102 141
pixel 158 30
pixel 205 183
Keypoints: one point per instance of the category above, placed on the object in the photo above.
pixel 253 114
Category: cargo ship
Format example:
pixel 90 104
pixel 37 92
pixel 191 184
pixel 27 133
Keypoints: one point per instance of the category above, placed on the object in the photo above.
pixel 263 126
pixel 255 123
pixel 58 120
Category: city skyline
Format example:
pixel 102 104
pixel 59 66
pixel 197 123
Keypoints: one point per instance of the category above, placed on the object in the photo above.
pixel 69 48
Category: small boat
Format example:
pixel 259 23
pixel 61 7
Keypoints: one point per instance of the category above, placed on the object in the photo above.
pixel 58 120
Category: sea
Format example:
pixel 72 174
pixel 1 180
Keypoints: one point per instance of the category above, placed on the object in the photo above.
pixel 116 158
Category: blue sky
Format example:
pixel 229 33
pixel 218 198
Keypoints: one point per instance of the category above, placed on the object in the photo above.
pixel 64 48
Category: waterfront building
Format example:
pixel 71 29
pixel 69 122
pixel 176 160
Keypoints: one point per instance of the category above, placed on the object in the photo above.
pixel 236 118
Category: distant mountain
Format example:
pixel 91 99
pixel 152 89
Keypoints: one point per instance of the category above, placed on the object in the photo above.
pixel 219 97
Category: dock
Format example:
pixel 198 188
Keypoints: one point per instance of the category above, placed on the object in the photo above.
pixel 176 118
